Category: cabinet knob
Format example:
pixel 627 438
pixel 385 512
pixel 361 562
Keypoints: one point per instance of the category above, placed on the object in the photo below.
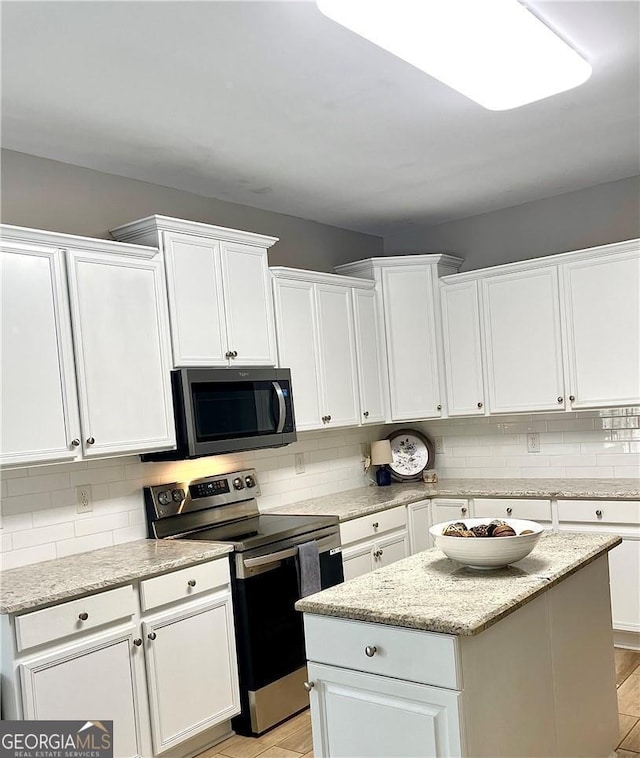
pixel 75 443
pixel 572 397
pixel 228 354
pixel 370 651
pixel 137 642
pixel 560 399
pixel 509 511
pixel 83 616
pixel 463 510
pixel 151 636
pixel 599 513
pixel 234 353
pixel 380 552
pixel 91 440
pixel 439 407
pixel 375 525
pixel 328 418
pixel 191 582
pixel 308 686
pixel 365 414
pixel 480 405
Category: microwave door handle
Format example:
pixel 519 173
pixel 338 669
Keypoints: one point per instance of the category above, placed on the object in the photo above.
pixel 282 408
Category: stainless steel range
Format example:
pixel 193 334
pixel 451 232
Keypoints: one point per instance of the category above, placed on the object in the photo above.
pixel 265 574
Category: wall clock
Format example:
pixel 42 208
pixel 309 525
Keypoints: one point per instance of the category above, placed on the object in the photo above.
pixel 412 452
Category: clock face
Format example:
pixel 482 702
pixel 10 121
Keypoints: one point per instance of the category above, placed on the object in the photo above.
pixel 412 452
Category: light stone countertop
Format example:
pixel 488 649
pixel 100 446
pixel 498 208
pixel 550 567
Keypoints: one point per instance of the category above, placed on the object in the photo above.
pixel 39 584
pixel 430 592
pixel 365 500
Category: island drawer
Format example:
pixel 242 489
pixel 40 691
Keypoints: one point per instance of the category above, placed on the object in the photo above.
pixel 184 583
pixel 369 526
pixel 423 657
pixel 65 619
pixel 504 507
pixel 600 511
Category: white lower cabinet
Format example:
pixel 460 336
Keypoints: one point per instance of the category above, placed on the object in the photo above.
pixel 449 509
pixel 419 521
pixel 374 541
pixel 534 509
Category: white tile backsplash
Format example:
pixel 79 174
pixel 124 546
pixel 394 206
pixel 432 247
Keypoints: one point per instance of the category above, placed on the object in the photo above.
pixel 39 515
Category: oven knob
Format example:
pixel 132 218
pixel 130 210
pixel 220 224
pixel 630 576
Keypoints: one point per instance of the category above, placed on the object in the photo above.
pixel 164 497
pixel 238 484
pixel 250 481
pixel 178 496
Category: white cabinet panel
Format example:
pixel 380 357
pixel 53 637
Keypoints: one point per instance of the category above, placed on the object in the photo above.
pixel 391 548
pixel 357 560
pixel 196 301
pixel 522 337
pixel 462 348
pixel 419 521
pixel 370 369
pixel 38 402
pixel 624 569
pixel 85 682
pixel 411 342
pixel 602 319
pixel 118 308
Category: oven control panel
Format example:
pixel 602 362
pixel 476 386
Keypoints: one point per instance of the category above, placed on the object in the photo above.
pixel 164 500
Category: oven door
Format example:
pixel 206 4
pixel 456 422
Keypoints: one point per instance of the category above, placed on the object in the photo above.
pixel 270 633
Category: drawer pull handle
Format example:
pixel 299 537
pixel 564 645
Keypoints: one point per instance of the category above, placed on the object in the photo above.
pixel 509 511
pixel 370 651
pixel 137 642
pixel 151 636
pixel 599 514
pixel 308 686
pixel 463 510
pixel 375 525
pixel 191 582
pixel 83 616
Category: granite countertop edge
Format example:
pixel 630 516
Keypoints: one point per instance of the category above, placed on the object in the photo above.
pixel 38 585
pixel 536 586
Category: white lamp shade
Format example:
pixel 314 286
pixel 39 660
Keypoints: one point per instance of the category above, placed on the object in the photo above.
pixel 381 452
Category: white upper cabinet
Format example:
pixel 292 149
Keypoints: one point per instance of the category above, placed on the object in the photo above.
pixel 118 309
pixel 462 348
pixel 602 322
pixel 522 338
pixel 39 408
pixel 316 340
pixel 218 282
pixel 368 351
pixel 409 293
pixel 112 325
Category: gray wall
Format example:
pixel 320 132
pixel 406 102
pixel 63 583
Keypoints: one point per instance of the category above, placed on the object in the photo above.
pixel 46 194
pixel 594 216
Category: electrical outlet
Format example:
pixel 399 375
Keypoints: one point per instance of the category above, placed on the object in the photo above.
pixel 533 442
pixel 438 443
pixel 300 466
pixel 84 502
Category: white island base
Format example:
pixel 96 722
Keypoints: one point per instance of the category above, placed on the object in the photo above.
pixel 538 683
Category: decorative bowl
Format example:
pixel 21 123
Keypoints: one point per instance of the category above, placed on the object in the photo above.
pixel 487 552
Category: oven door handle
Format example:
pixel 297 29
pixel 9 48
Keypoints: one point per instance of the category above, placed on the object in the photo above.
pixel 265 560
pixel 282 408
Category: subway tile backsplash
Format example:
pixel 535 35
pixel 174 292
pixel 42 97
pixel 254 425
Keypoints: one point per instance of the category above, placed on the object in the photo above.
pixel 40 521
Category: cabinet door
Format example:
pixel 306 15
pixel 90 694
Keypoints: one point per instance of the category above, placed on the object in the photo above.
pixel 624 571
pixel 411 342
pixel 522 337
pixel 336 351
pixel 418 519
pixel 462 349
pixel 120 331
pixel 191 670
pixel 296 330
pixel 602 318
pixel 94 680
pixel 358 714
pixel 39 407
pixel 367 331
pixel 248 305
pixel 358 560
pixel 196 304
pixel 394 547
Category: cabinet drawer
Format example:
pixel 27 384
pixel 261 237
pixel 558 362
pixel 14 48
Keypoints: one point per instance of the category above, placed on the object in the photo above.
pixel 600 511
pixel 536 510
pixel 184 583
pixel 376 523
pixel 424 657
pixel 63 620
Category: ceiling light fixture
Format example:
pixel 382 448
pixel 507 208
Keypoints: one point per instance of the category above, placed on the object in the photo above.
pixel 495 52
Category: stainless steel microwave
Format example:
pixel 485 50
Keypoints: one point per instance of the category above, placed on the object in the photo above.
pixel 225 410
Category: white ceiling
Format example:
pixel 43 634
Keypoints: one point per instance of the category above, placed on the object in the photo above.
pixel 272 105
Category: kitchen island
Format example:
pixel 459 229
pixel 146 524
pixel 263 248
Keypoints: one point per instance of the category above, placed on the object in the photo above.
pixel 428 658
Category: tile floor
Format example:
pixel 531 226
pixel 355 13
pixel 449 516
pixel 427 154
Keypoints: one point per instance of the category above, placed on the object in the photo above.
pixel 293 738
